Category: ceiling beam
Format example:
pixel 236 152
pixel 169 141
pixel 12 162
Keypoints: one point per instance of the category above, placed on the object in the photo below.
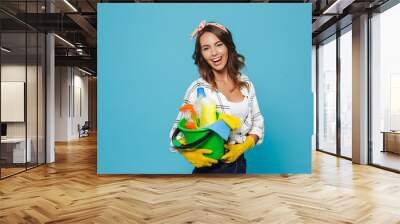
pixel 85 25
pixel 84 61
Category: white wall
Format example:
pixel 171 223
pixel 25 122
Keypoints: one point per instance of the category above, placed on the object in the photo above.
pixel 71 102
pixel 9 73
pixel 62 81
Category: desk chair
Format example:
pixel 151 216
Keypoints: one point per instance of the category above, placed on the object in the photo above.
pixel 84 130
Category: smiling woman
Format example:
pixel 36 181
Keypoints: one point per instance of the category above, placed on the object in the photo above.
pixel 214 51
pixel 219 67
pixel 215 54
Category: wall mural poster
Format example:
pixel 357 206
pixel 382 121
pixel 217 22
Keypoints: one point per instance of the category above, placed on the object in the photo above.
pixel 204 88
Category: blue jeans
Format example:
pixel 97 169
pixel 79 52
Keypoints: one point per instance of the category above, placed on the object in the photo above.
pixel 237 167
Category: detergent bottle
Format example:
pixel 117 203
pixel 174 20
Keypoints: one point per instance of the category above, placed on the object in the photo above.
pixel 197 103
pixel 207 108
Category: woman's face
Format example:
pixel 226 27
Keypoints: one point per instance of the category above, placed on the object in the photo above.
pixel 214 51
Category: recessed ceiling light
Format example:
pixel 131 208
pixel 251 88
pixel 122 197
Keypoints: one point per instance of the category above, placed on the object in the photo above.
pixel 64 40
pixel 84 71
pixel 5 50
pixel 71 6
pixel 337 7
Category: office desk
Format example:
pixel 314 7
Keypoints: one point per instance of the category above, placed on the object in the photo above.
pixel 15 148
pixel 391 141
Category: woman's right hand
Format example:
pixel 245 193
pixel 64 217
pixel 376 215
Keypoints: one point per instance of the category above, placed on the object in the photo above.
pixel 197 158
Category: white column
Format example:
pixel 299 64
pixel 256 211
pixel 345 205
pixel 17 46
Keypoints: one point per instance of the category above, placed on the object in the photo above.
pixel 50 100
pixel 360 90
pixel 50 92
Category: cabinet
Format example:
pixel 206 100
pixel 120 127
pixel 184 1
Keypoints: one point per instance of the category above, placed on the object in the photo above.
pixel 391 141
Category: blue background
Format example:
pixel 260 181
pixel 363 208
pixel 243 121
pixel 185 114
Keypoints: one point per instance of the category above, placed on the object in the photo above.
pixel 145 67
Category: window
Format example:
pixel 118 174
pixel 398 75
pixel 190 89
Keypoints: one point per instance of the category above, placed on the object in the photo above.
pixel 346 92
pixel 327 95
pixel 385 88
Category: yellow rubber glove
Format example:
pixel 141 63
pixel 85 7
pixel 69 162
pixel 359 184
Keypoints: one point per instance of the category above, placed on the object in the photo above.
pixel 197 158
pixel 232 121
pixel 237 149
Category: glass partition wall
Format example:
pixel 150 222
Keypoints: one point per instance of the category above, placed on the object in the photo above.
pixel 13 110
pixel 22 88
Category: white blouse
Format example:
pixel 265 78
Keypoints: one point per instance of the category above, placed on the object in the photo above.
pixel 241 111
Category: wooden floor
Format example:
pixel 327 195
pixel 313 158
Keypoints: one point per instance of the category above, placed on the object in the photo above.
pixel 5 172
pixel 70 191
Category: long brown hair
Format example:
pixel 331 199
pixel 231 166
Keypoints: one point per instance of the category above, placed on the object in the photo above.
pixel 235 60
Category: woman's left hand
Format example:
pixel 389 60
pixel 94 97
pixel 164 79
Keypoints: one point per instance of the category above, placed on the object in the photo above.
pixel 237 150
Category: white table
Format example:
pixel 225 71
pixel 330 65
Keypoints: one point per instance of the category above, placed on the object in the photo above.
pixel 18 145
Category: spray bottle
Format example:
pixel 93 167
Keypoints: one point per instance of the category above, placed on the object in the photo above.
pixel 189 114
